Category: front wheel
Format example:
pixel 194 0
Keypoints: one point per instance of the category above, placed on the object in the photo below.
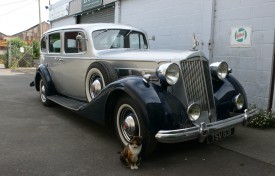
pixel 128 123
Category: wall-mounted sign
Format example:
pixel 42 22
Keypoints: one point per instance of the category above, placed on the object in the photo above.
pixel 59 12
pixel 89 4
pixel 240 37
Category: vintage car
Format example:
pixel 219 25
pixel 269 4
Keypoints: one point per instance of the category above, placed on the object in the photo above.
pixel 106 72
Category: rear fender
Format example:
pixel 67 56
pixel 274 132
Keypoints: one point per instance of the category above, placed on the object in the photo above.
pixel 43 72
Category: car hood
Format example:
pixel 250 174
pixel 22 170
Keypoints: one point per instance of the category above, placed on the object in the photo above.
pixel 148 55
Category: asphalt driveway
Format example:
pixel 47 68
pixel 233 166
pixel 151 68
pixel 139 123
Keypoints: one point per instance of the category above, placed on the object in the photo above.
pixel 36 140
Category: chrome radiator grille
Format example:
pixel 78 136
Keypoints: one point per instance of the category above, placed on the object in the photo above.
pixel 198 84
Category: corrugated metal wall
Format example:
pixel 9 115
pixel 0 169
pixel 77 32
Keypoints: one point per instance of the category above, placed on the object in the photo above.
pixel 106 15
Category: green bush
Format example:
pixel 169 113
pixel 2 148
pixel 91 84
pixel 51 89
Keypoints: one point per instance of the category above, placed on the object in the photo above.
pixel 4 60
pixel 263 119
pixel 36 49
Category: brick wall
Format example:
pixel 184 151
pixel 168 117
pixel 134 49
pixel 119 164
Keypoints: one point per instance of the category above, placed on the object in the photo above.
pixel 252 66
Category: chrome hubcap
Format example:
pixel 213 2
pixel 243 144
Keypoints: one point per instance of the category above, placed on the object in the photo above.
pixel 43 94
pixel 128 127
pixel 95 87
pixel 127 123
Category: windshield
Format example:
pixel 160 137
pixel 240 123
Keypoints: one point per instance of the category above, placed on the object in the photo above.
pixel 118 38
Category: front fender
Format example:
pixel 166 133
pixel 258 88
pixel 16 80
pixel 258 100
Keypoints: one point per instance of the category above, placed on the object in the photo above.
pixel 160 109
pixel 224 92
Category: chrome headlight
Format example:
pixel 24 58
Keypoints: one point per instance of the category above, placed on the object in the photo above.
pixel 239 101
pixel 219 70
pixel 169 73
pixel 194 111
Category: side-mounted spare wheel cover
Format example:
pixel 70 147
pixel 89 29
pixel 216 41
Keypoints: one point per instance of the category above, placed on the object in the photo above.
pixel 99 75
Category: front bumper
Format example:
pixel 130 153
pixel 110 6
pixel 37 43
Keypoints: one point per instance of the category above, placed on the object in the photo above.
pixel 203 130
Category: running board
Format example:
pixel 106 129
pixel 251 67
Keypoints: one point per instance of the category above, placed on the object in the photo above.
pixel 69 103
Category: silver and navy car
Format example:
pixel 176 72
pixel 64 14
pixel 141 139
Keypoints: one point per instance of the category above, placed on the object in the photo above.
pixel 108 73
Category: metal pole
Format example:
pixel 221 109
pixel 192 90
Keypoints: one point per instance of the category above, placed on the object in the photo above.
pixel 272 77
pixel 40 27
pixel 9 59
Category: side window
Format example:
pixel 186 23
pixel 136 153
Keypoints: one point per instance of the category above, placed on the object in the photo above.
pixel 137 41
pixel 118 41
pixel 43 44
pixel 75 42
pixel 54 43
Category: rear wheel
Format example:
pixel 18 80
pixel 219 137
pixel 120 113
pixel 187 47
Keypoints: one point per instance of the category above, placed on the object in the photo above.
pixel 99 75
pixel 128 123
pixel 43 91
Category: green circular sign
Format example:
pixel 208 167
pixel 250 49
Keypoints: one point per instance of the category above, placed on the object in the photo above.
pixel 240 35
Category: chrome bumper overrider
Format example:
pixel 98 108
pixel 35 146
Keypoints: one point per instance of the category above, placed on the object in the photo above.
pixel 203 130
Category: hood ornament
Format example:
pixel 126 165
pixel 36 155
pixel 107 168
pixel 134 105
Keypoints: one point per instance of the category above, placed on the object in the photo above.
pixel 195 42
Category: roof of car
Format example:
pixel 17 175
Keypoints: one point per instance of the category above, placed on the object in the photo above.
pixel 94 26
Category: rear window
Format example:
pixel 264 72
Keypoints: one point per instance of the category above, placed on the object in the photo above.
pixel 43 44
pixel 54 43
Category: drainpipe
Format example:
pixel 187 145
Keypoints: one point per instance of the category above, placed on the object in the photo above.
pixel 118 11
pixel 211 40
pixel 272 77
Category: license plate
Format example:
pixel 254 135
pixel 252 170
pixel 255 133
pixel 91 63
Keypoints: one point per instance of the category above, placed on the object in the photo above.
pixel 220 135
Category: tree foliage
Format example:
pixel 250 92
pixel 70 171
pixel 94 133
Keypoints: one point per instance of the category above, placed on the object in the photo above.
pixel 16 43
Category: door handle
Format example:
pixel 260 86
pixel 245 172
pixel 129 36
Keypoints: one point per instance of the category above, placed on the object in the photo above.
pixel 58 59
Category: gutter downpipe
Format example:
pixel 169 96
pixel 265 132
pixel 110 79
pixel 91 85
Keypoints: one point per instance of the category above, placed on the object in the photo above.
pixel 118 11
pixel 272 77
pixel 211 40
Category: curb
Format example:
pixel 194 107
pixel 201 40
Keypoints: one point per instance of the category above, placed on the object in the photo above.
pixel 24 70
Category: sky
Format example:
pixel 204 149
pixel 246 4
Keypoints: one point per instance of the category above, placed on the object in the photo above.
pixel 19 15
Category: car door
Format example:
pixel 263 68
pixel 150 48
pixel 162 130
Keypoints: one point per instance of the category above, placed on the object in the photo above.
pixel 71 67
pixel 54 58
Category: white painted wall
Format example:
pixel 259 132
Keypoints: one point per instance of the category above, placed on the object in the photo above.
pixel 252 66
pixel 171 22
pixel 64 21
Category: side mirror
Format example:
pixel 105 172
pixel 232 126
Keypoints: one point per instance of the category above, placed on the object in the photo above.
pixel 152 38
pixel 80 37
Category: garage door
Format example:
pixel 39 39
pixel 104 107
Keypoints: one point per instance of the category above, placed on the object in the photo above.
pixel 106 15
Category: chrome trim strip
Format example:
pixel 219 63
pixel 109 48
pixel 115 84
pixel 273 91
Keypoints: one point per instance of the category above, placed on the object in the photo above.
pixel 203 130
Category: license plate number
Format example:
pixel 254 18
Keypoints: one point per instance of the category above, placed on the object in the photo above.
pixel 220 135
